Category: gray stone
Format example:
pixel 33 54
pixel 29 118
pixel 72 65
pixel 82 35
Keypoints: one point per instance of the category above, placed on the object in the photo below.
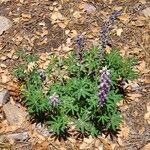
pixel 43 130
pixel 4 96
pixel 146 12
pixel 1 116
pixel 89 8
pixel 14 115
pixel 5 24
pixel 23 136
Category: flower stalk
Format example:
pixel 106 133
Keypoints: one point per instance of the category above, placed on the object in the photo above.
pixel 80 46
pixel 106 29
pixel 104 86
pixel 54 99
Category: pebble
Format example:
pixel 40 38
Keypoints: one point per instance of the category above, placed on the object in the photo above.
pixel 4 96
pixel 146 12
pixel 14 115
pixel 23 136
pixel 5 24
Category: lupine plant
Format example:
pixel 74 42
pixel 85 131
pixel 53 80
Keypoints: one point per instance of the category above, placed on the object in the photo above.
pixel 87 97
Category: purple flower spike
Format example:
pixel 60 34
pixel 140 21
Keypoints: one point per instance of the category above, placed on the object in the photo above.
pixel 106 28
pixel 54 99
pixel 80 46
pixel 104 86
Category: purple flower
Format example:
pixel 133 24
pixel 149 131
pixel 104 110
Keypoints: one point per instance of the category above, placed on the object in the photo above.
pixel 80 46
pixel 113 17
pixel 104 86
pixel 106 28
pixel 54 99
pixel 42 75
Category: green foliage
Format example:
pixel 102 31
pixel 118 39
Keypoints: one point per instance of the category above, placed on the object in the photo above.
pixel 119 66
pixel 78 93
pixel 27 57
pixel 19 71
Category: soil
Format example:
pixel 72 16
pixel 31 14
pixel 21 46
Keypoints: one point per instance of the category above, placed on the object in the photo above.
pixel 33 31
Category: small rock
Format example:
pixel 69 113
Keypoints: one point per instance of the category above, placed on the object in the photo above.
pixel 17 136
pixel 89 8
pixel 1 116
pixel 146 12
pixel 4 96
pixel 43 130
pixel 14 115
pixel 5 24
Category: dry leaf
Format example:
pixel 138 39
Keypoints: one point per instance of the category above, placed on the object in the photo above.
pixel 67 32
pixel 31 66
pixel 73 33
pixel 124 18
pixel 63 148
pixel 120 142
pixel 3 66
pixel 84 146
pixel 124 132
pixel 56 16
pixel 76 14
pixel 147 116
pixel 146 147
pixel 44 56
pixel 5 78
pixel 16 20
pixel 108 49
pixel 119 31
pixel 66 48
pixel 72 140
pixel 141 131
pixel 97 143
pixel 95 29
pixel 148 107
pixel 45 32
pixel 26 16
pixel 3 58
pixel 88 140
pixel 44 65
pixel 100 147
pixel 134 96
pixel 62 25
pixel 142 66
pixel 142 1
pixel 55 3
pixel 138 23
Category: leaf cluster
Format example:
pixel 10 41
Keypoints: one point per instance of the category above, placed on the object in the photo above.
pixel 78 93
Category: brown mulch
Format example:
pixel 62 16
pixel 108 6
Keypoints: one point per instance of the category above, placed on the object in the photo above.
pixel 52 26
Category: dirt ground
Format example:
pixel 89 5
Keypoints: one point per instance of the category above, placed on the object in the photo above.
pixel 49 26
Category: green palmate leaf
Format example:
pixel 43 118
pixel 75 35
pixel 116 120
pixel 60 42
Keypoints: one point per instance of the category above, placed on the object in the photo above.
pixel 19 71
pixel 104 119
pixel 68 105
pixel 36 101
pixel 114 59
pixel 82 88
pixel 81 122
pixel 115 120
pixel 20 53
pixel 58 124
pixel 31 58
pixel 119 66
